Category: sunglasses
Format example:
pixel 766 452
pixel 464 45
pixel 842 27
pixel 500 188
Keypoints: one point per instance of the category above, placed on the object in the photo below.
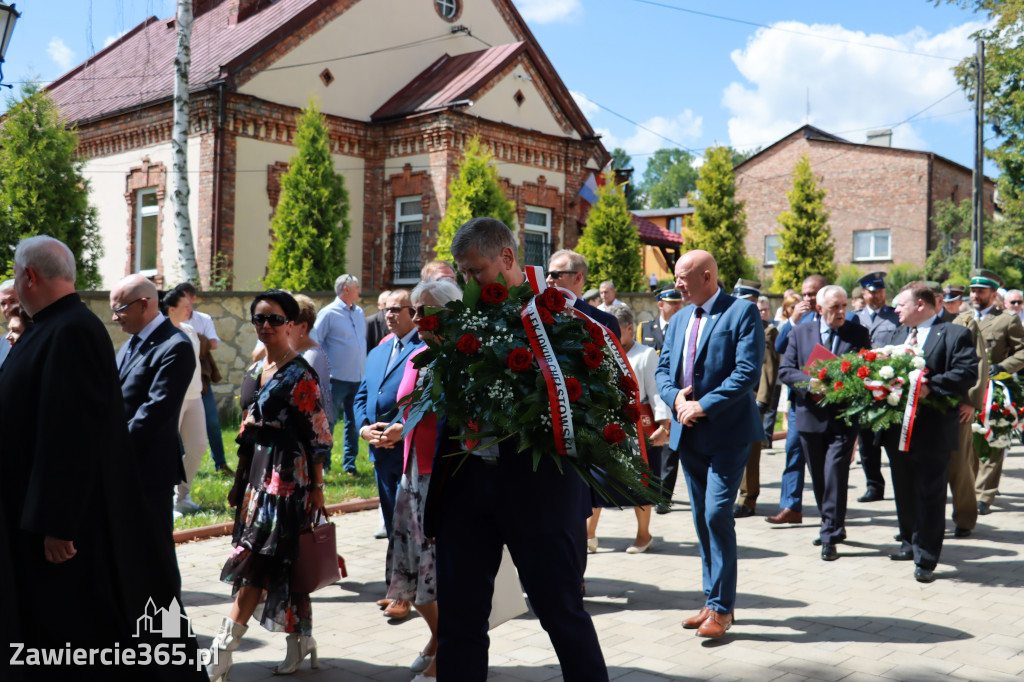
pixel 274 320
pixel 555 274
pixel 1015 303
pixel 397 310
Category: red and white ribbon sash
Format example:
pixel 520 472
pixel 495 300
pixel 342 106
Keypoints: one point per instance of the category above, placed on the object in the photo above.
pixel 910 413
pixel 987 416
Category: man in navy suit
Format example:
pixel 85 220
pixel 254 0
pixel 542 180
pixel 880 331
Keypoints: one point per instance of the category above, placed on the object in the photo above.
pixel 920 473
pixel 881 322
pixel 497 498
pixel 155 367
pixel 568 269
pixel 708 370
pixel 825 439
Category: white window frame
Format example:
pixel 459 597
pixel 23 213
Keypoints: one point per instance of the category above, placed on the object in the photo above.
pixel 140 213
pixel 774 249
pixel 537 229
pixel 873 255
pixel 448 9
pixel 400 221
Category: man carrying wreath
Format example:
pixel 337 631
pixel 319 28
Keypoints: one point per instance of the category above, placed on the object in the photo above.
pixel 496 498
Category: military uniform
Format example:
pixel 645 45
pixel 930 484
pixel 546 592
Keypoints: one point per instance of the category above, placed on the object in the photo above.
pixel 651 333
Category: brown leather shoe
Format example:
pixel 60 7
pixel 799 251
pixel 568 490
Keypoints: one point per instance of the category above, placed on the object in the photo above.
pixel 384 603
pixel 715 626
pixel 694 622
pixel 787 515
pixel 397 610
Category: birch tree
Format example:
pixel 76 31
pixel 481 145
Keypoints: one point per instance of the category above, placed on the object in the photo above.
pixel 179 144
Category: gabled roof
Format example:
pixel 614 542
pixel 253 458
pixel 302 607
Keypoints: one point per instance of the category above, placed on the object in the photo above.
pixel 449 79
pixel 650 233
pixel 137 69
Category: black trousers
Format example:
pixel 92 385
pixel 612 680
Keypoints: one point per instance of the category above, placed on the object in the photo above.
pixel 919 483
pixel 828 458
pixel 871 462
pixel 158 503
pixel 476 519
pixel 667 469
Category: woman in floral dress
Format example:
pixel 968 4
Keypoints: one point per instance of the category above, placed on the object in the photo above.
pixel 285 437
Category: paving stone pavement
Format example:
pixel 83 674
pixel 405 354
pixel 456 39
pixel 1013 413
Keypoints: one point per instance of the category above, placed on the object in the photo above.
pixel 859 618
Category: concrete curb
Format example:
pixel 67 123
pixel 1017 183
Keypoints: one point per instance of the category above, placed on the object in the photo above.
pixel 203 532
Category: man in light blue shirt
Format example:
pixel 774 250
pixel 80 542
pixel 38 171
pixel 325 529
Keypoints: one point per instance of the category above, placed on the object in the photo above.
pixel 340 329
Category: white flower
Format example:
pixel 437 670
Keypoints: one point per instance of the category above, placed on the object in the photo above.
pixel 893 399
pixel 977 428
pixel 887 350
pixel 886 372
pixel 918 362
pixel 914 374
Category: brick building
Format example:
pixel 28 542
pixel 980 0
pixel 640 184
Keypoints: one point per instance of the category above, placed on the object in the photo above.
pixel 881 199
pixel 403 85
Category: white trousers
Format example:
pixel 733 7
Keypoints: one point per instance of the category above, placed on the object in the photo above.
pixel 192 428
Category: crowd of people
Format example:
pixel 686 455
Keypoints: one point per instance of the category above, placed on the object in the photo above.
pixel 713 367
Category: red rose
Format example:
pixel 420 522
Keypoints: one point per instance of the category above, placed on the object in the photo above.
pixel 627 384
pixel 845 367
pixel 596 333
pixel 631 411
pixel 545 315
pixel 519 359
pixel 822 374
pixel 573 389
pixel 863 372
pixel 871 356
pixel 429 323
pixel 592 356
pixel 838 386
pixel 552 299
pixel 493 293
pixel 468 344
pixel 613 434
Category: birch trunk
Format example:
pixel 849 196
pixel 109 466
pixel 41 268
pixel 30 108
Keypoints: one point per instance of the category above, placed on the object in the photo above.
pixel 179 144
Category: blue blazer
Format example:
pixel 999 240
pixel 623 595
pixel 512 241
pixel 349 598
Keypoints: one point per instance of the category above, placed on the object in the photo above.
pixel 377 395
pixel 726 372
pixel 884 326
pixel 153 384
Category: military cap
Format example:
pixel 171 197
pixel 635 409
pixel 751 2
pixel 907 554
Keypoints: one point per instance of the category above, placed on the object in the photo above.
pixel 591 294
pixel 985 278
pixel 952 292
pixel 669 294
pixel 746 288
pixel 873 281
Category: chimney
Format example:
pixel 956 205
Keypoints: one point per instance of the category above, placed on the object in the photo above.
pixel 243 9
pixel 880 138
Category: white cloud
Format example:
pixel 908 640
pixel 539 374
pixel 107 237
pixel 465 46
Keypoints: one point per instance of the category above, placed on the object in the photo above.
pixel 547 11
pixel 851 87
pixel 683 129
pixel 583 102
pixel 60 53
pixel 109 40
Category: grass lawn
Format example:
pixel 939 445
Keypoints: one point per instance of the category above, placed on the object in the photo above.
pixel 210 488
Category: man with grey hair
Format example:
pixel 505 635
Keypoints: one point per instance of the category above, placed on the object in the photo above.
pixel 1014 302
pixel 568 270
pixel 340 328
pixel 376 325
pixel 437 270
pixel 71 535
pixel 607 292
pixel 8 302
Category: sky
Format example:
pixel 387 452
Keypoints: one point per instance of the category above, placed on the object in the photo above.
pixel 691 74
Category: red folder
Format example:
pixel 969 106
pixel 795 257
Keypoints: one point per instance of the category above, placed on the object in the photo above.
pixel 819 353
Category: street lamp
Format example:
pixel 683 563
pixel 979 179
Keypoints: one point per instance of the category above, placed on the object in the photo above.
pixel 8 17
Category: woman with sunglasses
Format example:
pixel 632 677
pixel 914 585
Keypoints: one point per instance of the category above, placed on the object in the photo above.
pixel 283 443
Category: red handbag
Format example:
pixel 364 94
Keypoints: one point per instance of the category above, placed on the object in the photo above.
pixel 316 566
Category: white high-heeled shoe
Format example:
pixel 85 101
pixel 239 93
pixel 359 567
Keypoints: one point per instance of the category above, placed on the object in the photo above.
pixel 299 646
pixel 227 640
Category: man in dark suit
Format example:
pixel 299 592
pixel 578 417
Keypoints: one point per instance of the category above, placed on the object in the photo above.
pixel 496 498
pixel 568 270
pixel 709 367
pixel 881 322
pixel 155 367
pixel 920 473
pixel 826 440
pixel 376 324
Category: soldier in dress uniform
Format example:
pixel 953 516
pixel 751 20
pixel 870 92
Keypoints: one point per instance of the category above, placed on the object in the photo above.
pixel 652 333
pixel 952 297
pixel 750 487
pixel 881 322
pixel 1003 334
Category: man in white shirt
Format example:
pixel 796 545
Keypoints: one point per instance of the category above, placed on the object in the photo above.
pixel 607 291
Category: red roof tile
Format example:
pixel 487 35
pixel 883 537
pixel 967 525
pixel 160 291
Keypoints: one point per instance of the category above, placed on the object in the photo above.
pixel 448 80
pixel 650 233
pixel 138 68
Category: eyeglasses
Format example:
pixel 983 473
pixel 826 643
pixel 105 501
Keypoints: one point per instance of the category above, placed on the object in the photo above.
pixel 274 320
pixel 555 274
pixel 118 311
pixel 397 309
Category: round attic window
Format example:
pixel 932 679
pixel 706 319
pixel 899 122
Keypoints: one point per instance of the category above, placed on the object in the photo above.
pixel 448 9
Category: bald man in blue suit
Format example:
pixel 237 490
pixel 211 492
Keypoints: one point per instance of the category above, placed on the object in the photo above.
pixel 709 367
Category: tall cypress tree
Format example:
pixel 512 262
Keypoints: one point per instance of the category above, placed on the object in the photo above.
pixel 719 221
pixel 42 190
pixel 611 243
pixel 311 225
pixel 805 240
pixel 475 192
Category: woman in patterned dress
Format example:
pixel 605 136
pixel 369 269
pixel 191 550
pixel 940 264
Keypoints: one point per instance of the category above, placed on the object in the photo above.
pixel 285 437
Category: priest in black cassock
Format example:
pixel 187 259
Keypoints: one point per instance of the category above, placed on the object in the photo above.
pixel 79 564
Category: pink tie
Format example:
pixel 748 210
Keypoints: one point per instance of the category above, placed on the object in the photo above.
pixel 691 345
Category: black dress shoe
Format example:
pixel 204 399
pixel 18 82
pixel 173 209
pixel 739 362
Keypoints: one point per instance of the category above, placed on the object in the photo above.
pixel 962 532
pixel 828 552
pixel 871 496
pixel 817 541
pixel 663 508
pixel 898 537
pixel 902 555
pixel 741 511
pixel 923 575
